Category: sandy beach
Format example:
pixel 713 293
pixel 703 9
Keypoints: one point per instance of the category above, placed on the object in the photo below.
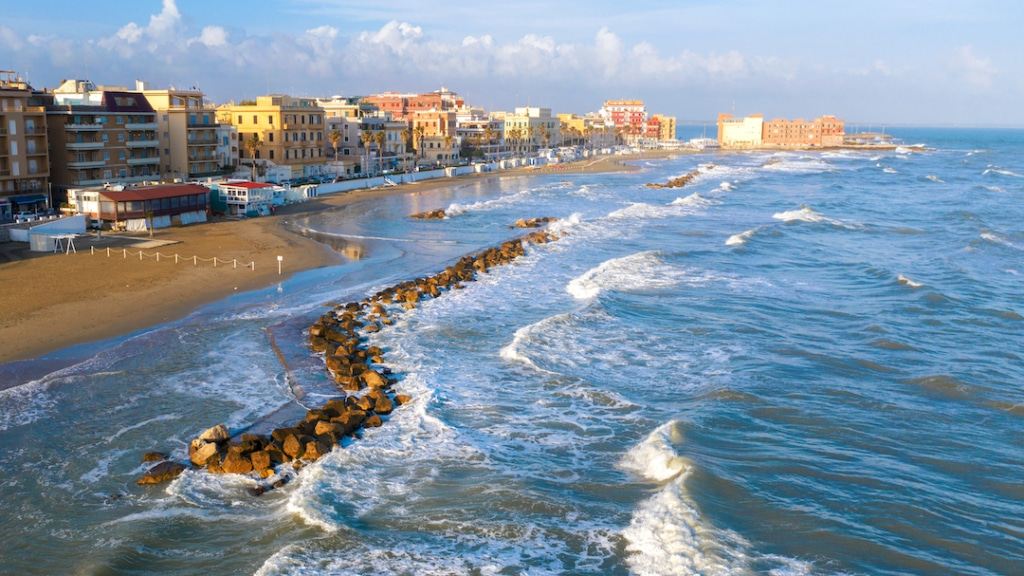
pixel 51 302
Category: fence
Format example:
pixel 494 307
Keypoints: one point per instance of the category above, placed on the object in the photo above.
pixel 124 253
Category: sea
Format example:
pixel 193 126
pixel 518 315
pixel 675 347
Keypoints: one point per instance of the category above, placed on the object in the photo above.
pixel 799 363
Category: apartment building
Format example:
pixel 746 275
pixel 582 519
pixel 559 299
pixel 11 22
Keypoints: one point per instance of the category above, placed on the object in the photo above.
pixel 629 116
pixel 24 162
pixel 403 106
pixel 661 128
pixel 745 132
pixel 823 131
pixel 291 132
pixel 187 129
pixel 98 135
pixel 434 136
pixel 531 127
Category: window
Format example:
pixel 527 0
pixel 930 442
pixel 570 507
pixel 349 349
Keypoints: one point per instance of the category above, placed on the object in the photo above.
pixel 255 119
pixel 270 136
pixel 165 117
pixel 106 155
pixel 120 136
pixel 120 155
pixel 167 136
pixel 120 120
pixel 270 120
pixel 206 119
pixel 239 119
pixel 271 154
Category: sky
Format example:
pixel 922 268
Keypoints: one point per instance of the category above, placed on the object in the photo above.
pixel 871 62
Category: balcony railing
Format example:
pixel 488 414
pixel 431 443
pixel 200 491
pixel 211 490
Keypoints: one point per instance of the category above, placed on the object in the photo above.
pixel 84 145
pixel 84 127
pixel 204 142
pixel 143 161
pixel 87 164
pixel 143 143
pixel 140 126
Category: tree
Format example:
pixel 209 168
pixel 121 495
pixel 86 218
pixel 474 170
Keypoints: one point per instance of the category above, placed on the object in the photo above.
pixel 380 137
pixel 406 134
pixel 420 135
pixel 367 139
pixel 335 138
pixel 252 145
pixel 545 136
pixel 489 135
pixel 448 145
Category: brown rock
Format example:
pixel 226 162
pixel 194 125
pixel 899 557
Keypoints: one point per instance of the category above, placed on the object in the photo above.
pixel 314 450
pixel 373 379
pixel 236 463
pixel 365 403
pixel 292 447
pixel 154 457
pixel 325 427
pixel 204 453
pixel 218 433
pixel 403 399
pixel 383 405
pixel 260 460
pixel 162 472
pixel 373 421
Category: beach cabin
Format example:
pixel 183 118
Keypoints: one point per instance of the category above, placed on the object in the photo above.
pixel 242 198
pixel 132 208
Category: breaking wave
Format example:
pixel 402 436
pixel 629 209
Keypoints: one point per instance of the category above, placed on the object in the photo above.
pixel 641 271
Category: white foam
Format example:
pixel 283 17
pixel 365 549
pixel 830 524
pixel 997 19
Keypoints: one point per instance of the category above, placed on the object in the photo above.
pixel 797 166
pixel 1000 171
pixel 726 186
pixel 741 238
pixel 935 179
pixel 640 271
pixel 903 150
pixel 998 239
pixel 889 170
pixel 908 282
pixel 513 351
pixel 804 214
pixel 563 225
pixel 694 200
pixel 667 534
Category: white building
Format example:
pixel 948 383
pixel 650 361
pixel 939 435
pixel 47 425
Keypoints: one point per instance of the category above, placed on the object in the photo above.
pixel 530 128
pixel 244 198
pixel 227 145
pixel 745 132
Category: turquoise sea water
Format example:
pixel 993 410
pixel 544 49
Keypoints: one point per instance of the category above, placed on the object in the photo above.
pixel 802 363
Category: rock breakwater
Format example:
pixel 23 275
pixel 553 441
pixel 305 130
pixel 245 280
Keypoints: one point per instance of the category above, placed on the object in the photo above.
pixel 357 369
pixel 679 181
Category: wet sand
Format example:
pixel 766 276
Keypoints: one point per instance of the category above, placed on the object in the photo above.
pixel 52 302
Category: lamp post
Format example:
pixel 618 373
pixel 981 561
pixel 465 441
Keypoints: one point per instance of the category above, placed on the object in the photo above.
pixel 279 260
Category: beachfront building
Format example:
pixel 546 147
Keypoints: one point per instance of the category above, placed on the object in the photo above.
pixel 404 106
pixel 24 161
pixel 227 146
pixel 661 128
pixel 234 198
pixel 433 136
pixel 100 135
pixel 290 133
pixel 348 161
pixel 387 140
pixel 187 129
pixel 629 117
pixel 529 128
pixel 341 107
pixel 824 131
pixel 745 132
pixel 135 208
pixel 479 134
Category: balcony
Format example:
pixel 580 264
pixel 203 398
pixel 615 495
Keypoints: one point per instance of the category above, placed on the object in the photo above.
pixel 84 145
pixel 143 161
pixel 34 131
pixel 140 126
pixel 84 127
pixel 142 143
pixel 87 164
pixel 37 152
pixel 206 142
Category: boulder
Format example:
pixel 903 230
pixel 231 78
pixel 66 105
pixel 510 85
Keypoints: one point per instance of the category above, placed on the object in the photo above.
pixel 350 421
pixel 236 463
pixel 204 453
pixel 260 460
pixel 154 457
pixel 374 379
pixel 315 449
pixel 291 446
pixel 162 472
pixel 218 433
pixel 326 427
pixel 402 399
pixel 383 405
pixel 373 421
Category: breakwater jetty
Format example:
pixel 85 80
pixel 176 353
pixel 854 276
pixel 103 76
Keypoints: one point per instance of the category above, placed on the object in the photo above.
pixel 357 369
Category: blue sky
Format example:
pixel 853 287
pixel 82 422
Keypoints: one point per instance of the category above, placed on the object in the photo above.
pixel 892 62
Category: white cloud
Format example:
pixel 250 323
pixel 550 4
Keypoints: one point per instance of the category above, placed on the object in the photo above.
pixel 9 38
pixel 975 70
pixel 211 37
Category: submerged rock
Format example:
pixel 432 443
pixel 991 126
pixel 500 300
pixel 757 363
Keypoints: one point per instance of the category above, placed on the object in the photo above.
pixel 162 472
pixel 438 214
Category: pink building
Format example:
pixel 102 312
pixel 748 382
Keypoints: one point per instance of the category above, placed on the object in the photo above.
pixel 821 132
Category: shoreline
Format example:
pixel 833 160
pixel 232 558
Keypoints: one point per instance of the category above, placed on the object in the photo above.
pixel 54 302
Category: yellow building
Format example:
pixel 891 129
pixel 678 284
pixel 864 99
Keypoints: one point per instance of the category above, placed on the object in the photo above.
pixel 743 132
pixel 666 127
pixel 24 162
pixel 291 132
pixel 187 130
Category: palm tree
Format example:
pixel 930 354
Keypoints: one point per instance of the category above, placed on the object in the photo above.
pixel 366 138
pixel 380 137
pixel 448 145
pixel 420 135
pixel 406 133
pixel 545 136
pixel 252 145
pixel 489 135
pixel 335 138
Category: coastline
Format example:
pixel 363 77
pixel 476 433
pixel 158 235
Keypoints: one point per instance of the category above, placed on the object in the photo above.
pixel 53 302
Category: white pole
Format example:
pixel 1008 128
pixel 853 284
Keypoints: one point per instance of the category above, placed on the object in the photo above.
pixel 125 250
pixel 234 263
pixel 279 260
pixel 175 257
pixel 108 251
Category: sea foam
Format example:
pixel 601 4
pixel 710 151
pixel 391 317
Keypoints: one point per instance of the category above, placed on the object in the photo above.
pixel 640 271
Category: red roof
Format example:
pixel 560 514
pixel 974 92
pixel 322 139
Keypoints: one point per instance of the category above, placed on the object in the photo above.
pixel 247 184
pixel 153 192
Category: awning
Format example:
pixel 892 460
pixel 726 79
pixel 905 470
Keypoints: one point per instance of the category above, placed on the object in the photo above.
pixel 28 198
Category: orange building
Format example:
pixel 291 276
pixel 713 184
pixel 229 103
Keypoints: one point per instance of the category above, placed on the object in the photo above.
pixel 402 106
pixel 824 131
